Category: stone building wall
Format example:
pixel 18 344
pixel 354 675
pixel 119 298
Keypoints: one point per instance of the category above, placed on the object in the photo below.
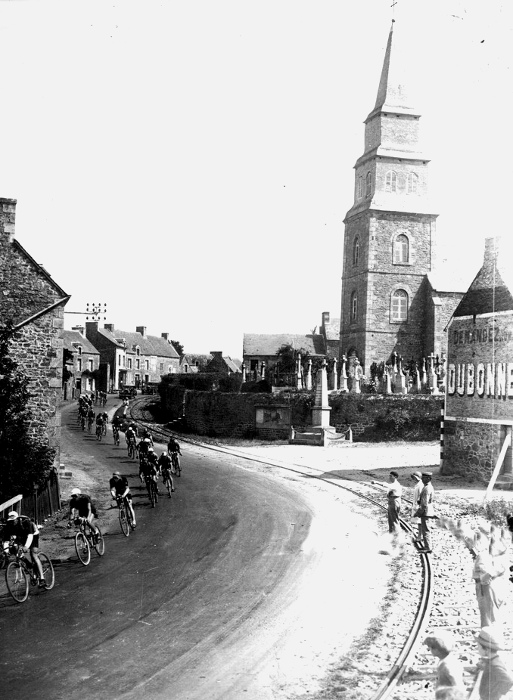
pixel 31 300
pixel 471 449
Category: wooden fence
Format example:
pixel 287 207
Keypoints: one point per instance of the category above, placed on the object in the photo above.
pixel 39 504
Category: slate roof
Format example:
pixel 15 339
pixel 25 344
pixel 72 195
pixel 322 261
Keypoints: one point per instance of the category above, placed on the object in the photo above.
pixel 269 344
pixel 491 290
pixel 149 344
pixel 70 337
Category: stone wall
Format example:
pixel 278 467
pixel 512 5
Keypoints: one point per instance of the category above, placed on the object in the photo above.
pixel 37 349
pixel 27 292
pixel 471 449
pixel 371 417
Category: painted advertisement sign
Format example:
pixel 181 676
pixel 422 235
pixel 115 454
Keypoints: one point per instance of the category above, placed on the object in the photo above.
pixel 480 367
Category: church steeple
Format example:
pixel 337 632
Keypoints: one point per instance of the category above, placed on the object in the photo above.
pixel 392 91
pixel 389 230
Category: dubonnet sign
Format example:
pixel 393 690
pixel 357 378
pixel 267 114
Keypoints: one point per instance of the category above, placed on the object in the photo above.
pixel 480 367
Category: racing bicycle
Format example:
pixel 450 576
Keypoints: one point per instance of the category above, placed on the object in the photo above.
pixel 176 463
pixel 21 572
pixel 125 516
pixel 85 540
pixel 132 450
pixel 153 493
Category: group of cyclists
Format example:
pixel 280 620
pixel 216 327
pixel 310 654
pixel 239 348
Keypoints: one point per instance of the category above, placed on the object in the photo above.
pixel 87 416
pixel 24 532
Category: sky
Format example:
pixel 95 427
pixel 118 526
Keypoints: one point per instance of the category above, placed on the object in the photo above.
pixel 190 164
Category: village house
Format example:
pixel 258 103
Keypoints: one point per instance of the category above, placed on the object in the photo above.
pixel 222 364
pixel 34 303
pixel 129 359
pixel 84 365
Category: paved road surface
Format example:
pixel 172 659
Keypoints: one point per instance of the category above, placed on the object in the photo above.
pixel 149 614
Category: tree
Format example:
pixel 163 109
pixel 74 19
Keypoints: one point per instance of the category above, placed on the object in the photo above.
pixel 25 460
pixel 178 347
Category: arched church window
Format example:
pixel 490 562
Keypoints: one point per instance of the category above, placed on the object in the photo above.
pixel 401 249
pixel 368 184
pixel 356 250
pixel 391 181
pixel 399 306
pixel 411 183
pixel 354 307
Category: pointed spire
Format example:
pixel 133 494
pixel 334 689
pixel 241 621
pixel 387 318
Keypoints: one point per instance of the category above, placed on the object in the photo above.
pixel 392 95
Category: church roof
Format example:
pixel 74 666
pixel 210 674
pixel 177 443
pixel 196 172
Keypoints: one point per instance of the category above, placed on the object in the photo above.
pixel 269 344
pixel 492 288
pixel 392 92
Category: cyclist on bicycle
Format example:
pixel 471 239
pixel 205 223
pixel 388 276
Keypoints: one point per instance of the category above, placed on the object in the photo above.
pixel 143 448
pixel 174 449
pixel 90 419
pixel 130 435
pixel 26 536
pixel 166 468
pixel 120 491
pixel 81 506
pixel 147 436
pixel 134 428
pixel 149 470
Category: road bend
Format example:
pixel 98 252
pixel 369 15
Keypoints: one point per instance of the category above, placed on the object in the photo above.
pixel 191 605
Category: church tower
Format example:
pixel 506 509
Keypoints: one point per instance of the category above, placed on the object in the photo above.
pixel 389 232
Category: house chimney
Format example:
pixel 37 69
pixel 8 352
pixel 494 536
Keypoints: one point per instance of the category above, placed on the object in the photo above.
pixel 217 354
pixel 325 317
pixel 7 219
pixel 109 327
pixel 165 336
pixel 141 330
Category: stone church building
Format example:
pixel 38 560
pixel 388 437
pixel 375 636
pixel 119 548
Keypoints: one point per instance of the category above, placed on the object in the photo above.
pixel 391 299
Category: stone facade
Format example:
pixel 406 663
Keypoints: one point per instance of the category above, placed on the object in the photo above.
pixel 131 359
pixel 387 302
pixel 85 364
pixel 34 303
pixel 479 395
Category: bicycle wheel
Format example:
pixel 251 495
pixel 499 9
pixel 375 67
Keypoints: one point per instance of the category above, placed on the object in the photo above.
pixel 17 581
pixel 100 544
pixel 123 521
pixel 83 549
pixel 150 494
pixel 48 572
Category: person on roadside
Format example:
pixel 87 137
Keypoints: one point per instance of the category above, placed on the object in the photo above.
pixel 120 491
pixel 490 575
pixel 25 534
pixel 81 506
pixel 394 496
pixel 426 512
pixel 449 672
pixel 416 477
pixel 497 679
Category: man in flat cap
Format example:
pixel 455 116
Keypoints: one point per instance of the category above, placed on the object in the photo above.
pixel 416 477
pixel 426 511
pixel 496 680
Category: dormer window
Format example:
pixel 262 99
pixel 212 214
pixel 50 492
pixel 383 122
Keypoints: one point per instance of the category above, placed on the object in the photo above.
pixel 137 350
pixel 391 181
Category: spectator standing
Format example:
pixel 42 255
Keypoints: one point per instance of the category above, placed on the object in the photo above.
pixel 394 495
pixel 417 489
pixel 426 511
pixel 490 576
pixel 496 680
